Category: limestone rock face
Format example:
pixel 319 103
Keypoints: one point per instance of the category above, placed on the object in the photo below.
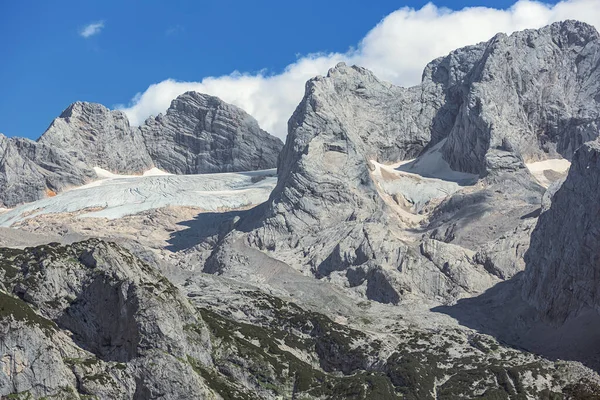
pixel 99 137
pixel 490 107
pixel 199 134
pixel 563 261
pixel 122 317
pixel 528 96
pixel 202 134
pixel 30 171
pixel 326 216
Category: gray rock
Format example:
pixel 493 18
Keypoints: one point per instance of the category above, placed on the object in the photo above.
pixel 203 134
pixel 106 324
pixel 199 134
pixel 326 215
pixel 560 279
pixel 58 305
pixel 112 326
pixel 528 96
pixel 30 171
pixel 98 137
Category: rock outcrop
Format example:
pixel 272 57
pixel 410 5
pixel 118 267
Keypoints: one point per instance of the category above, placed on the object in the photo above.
pixel 563 261
pixel 30 171
pixel 122 318
pixel 527 96
pixel 98 137
pixel 91 320
pixel 202 134
pixel 489 108
pixel 199 134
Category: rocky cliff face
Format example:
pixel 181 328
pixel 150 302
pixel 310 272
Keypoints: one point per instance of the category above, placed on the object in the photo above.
pixel 98 137
pixel 561 277
pixel 326 216
pixel 202 134
pixel 122 319
pixel 284 307
pixel 484 109
pixel 30 171
pixel 199 134
pixel 527 96
pixel 91 320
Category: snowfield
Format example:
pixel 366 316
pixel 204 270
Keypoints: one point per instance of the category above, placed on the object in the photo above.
pixel 548 170
pixel 114 196
pixel 421 180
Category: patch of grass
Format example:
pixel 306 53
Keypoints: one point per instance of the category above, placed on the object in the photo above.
pixel 216 382
pixel 19 310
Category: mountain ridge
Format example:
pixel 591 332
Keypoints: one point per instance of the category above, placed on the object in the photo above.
pixel 409 249
pixel 88 135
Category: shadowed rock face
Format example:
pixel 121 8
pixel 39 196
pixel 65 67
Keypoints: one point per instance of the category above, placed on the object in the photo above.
pixel 202 134
pixel 563 261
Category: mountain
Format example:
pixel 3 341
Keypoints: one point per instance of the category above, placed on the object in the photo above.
pixel 203 134
pixel 336 216
pixel 30 171
pixel 99 137
pixel 563 259
pixel 528 96
pixel 199 134
pixel 420 243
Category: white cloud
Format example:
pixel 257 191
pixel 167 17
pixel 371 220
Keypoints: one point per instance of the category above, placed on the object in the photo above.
pixel 92 29
pixel 174 30
pixel 396 50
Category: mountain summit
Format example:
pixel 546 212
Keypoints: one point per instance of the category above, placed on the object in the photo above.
pixel 199 134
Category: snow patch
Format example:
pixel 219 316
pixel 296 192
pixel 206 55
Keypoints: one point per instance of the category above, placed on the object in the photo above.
pixel 420 180
pixel 431 164
pixel 155 172
pixel 548 171
pixel 102 173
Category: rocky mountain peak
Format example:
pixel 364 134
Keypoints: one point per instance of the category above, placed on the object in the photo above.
pixel 484 110
pixel 198 134
pixel 510 107
pixel 84 108
pixel 197 99
pixel 98 137
pixel 202 134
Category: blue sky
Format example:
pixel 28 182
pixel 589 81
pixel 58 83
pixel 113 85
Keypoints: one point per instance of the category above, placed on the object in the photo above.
pixel 47 63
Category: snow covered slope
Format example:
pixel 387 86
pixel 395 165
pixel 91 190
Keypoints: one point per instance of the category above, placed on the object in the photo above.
pixel 118 195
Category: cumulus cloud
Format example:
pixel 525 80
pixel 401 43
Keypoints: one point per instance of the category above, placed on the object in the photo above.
pixel 92 29
pixel 397 49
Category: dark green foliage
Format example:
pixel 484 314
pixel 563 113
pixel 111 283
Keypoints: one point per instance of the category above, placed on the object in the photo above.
pixel 583 390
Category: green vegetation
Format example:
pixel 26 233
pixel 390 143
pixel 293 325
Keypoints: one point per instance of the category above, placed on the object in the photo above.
pixel 279 371
pixel 225 388
pixel 84 362
pixel 21 396
pixel 12 307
